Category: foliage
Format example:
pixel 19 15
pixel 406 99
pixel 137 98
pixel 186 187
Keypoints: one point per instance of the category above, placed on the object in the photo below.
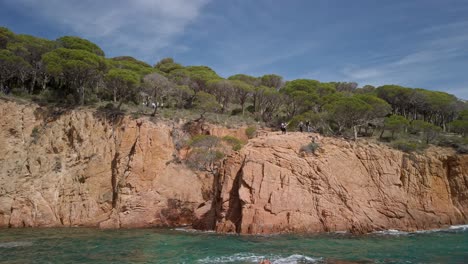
pixel 204 155
pixel 234 142
pixel 428 130
pixel 71 42
pixel 207 141
pixel 73 70
pixel 167 65
pixel 394 123
pixel 459 126
pixel 204 159
pixel 206 102
pixel 35 134
pixel 407 145
pixel 123 83
pixel 349 112
pixel 310 148
pixel 79 69
pixel 251 131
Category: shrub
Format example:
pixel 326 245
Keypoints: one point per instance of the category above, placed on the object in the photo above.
pixel 251 132
pixel 236 111
pixel 250 109
pixel 234 142
pixel 408 146
pixel 205 141
pixel 310 148
pixel 204 159
pixel 35 134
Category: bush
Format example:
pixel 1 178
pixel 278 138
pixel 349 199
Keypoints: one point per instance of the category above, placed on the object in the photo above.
pixel 35 134
pixel 251 132
pixel 204 159
pixel 250 109
pixel 408 146
pixel 205 141
pixel 236 111
pixel 310 148
pixel 460 144
pixel 234 142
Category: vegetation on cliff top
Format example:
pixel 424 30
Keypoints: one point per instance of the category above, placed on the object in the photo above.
pixel 74 71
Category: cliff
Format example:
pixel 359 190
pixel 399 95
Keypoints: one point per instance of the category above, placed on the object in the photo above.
pixel 88 168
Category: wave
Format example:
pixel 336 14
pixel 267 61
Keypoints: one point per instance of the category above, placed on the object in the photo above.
pixel 459 227
pixel 15 244
pixel 191 230
pixel 394 232
pixel 254 258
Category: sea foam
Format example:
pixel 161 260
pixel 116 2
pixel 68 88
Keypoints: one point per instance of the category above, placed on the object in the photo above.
pixel 255 258
pixel 14 244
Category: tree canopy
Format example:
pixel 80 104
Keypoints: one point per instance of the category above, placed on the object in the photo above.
pixel 74 70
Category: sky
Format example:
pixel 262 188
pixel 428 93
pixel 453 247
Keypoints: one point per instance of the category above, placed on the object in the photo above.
pixel 417 43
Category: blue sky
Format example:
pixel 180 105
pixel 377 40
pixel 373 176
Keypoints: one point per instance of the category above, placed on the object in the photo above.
pixel 417 43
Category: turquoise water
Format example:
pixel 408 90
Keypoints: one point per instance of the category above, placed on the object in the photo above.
pixel 83 245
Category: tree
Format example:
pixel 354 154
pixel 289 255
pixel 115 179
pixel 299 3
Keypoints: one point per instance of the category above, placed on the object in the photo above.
pixel 397 97
pixel 272 80
pixel 71 42
pixel 304 95
pixel 243 92
pixel 223 90
pixel 130 63
pixel 461 124
pixel 167 65
pixel 158 86
pixel 181 95
pixel 10 66
pixel 394 123
pixel 348 87
pixel 31 49
pixel 123 84
pixel 206 103
pixel 366 89
pixel 267 102
pixel 428 130
pixel 254 81
pixel 5 36
pixel 349 112
pixel 380 108
pixel 78 69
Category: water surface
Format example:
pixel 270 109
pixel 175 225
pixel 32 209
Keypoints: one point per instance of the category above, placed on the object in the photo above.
pixel 84 245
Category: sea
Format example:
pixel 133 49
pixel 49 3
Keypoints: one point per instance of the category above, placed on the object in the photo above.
pixel 182 245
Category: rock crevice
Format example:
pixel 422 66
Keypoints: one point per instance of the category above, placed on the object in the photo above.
pixel 80 168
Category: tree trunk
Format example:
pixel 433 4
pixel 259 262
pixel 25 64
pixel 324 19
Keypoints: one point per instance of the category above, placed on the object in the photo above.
pixel 33 82
pixel 82 95
pixel 381 134
pixel 355 133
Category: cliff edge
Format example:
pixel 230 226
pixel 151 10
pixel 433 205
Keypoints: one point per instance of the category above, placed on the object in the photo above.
pixel 87 168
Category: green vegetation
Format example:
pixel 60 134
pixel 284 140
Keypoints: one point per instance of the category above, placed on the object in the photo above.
pixel 234 142
pixel 408 145
pixel 310 148
pixel 72 71
pixel 251 131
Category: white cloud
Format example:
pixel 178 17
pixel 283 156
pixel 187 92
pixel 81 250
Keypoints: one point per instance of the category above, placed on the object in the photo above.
pixel 140 27
pixel 444 45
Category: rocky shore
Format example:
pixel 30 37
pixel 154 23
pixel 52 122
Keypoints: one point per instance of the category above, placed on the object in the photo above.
pixel 86 168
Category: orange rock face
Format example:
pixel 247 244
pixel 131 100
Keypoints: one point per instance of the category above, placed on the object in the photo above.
pixel 81 168
pixel 271 187
pixel 84 168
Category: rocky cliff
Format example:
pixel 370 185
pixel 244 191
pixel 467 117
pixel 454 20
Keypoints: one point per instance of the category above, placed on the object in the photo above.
pixel 88 168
